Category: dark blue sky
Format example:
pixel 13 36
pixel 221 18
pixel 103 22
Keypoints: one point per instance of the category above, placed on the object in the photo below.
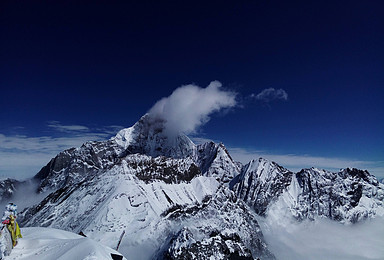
pixel 105 63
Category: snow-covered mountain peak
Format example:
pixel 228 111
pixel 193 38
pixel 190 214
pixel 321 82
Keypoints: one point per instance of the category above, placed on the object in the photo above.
pixel 263 169
pixel 260 182
pixel 349 195
pixel 149 136
pixel 214 160
pixel 361 174
pixel 172 197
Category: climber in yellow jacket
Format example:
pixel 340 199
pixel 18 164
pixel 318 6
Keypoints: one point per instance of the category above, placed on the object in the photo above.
pixel 14 229
pixel 9 221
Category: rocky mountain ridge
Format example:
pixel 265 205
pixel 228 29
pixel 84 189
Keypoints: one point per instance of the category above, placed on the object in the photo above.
pixel 175 198
pixel 347 196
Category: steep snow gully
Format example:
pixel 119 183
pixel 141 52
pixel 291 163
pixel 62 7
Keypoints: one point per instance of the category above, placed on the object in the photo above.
pixel 163 197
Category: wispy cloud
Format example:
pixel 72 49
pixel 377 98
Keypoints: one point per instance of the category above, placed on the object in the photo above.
pixel 270 94
pixel 22 156
pixel 67 128
pixel 295 162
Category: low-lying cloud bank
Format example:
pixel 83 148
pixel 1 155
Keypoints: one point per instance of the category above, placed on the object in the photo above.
pixel 325 239
pixel 190 106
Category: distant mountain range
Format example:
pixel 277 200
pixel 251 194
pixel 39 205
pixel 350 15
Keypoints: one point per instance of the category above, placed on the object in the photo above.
pixel 168 198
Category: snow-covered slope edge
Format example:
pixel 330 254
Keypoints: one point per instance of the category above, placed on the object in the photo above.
pixel 54 244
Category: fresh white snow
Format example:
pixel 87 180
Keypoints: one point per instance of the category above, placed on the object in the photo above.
pixel 54 244
pixel 128 188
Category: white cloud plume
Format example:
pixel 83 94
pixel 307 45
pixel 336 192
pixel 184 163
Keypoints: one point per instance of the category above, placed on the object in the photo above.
pixel 270 94
pixel 190 106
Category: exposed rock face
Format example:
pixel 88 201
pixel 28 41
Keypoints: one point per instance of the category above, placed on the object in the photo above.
pixel 261 183
pixel 145 137
pixel 184 201
pixel 214 160
pixel 77 164
pixel 346 196
pixel 222 227
pixel 216 246
pixel 148 137
pixel 151 207
pixel 8 188
pixel 129 184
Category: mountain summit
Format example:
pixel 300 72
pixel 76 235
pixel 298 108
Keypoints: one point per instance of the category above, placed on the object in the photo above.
pixel 161 194
pixel 154 187
pixel 149 136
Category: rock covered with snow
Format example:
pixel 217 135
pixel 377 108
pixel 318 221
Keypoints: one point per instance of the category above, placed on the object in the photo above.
pixel 138 182
pixel 214 160
pixel 140 197
pixel 260 183
pixel 7 188
pixel 347 196
pixel 77 164
pixel 222 227
pixel 215 246
pixel 148 136
pixel 128 185
pixel 165 197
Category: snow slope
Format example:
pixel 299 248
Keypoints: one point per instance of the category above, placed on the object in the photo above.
pixel 168 198
pixel 54 244
pixel 116 201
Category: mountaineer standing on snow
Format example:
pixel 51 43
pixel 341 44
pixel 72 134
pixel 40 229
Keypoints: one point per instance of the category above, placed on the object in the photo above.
pixel 10 231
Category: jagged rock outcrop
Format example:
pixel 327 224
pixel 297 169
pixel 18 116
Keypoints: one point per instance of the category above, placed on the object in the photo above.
pixel 214 160
pixel 7 188
pixel 350 195
pixel 148 186
pixel 221 227
pixel 260 183
pixel 216 246
pixel 77 164
pixel 151 207
pixel 146 137
pixel 174 198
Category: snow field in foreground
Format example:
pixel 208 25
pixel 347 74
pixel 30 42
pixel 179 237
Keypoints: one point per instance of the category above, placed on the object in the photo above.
pixel 54 244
